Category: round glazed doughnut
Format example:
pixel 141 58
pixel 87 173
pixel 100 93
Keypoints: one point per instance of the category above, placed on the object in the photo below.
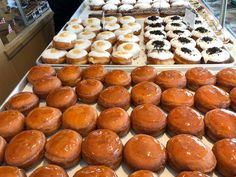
pixel 3 144
pixel 97 72
pixel 115 119
pixel 148 119
pixel 226 79
pixel 102 147
pixel 220 124
pixel 224 151
pixel 118 78
pixel 233 99
pixel 39 72
pixel 61 98
pixel 25 149
pixel 174 97
pixel 209 97
pixel 185 120
pixel 188 153
pixel 143 73
pixel 170 78
pixel 64 148
pixel 45 119
pixel 145 152
pixel 81 118
pixel 114 96
pixel 43 86
pixel 12 123
pixel 10 171
pixel 69 75
pixel 95 170
pixel 88 90
pixel 199 76
pixel 146 92
pixel 143 173
pixel 49 170
pixel 23 102
pixel 192 174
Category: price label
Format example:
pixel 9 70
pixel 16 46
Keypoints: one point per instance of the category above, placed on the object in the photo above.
pixel 190 17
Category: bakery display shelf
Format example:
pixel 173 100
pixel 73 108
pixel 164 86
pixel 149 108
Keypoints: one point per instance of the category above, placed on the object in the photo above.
pixel 122 171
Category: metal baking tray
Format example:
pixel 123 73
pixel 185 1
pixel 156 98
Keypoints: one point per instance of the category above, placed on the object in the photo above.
pixel 83 12
pixel 122 171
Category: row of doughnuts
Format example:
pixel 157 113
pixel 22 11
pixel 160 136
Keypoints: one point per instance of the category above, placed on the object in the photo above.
pixel 171 34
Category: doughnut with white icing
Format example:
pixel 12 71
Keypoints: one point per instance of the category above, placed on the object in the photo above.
pixel 54 56
pixel 64 40
pixel 215 55
pixel 135 27
pixel 87 35
pixel 99 57
pixel 188 55
pixel 102 45
pixel 131 47
pixel 83 44
pixel 122 58
pixel 77 56
pixel 108 36
pixel 161 57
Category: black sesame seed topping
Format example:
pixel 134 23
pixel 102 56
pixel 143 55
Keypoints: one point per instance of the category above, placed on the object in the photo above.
pixel 207 39
pixel 157 32
pixel 186 50
pixel 176 17
pixel 213 50
pixel 158 44
pixel 178 32
pixel 155 25
pixel 201 29
pixel 175 24
pixel 183 40
pixel 153 18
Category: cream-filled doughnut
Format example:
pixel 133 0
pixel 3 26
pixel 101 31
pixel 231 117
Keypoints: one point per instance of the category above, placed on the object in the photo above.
pixel 122 57
pixel 127 19
pixel 99 57
pixel 54 56
pixel 158 44
pixel 178 33
pixel 209 42
pixel 133 48
pixel 182 42
pixel 87 35
pixel 83 44
pixel 75 28
pixel 135 27
pixel 186 55
pixel 102 45
pixel 160 57
pixel 77 56
pixel 64 40
pixel 215 55
pixel 91 21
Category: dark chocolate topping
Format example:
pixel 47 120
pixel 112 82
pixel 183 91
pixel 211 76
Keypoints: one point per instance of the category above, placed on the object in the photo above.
pixel 207 39
pixel 201 29
pixel 175 24
pixel 153 18
pixel 184 40
pixel 176 17
pixel 158 44
pixel 178 31
pixel 198 22
pixel 157 32
pixel 186 50
pixel 213 50
pixel 153 25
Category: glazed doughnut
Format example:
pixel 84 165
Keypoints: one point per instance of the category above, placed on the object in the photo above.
pixel 143 73
pixel 3 145
pixel 143 173
pixel 10 171
pixel 192 174
pixel 118 78
pixel 97 72
pixel 233 99
pixel 107 35
pixel 226 79
pixel 49 170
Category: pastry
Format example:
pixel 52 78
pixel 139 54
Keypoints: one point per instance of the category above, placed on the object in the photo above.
pixel 69 75
pixel 154 34
pixel 77 56
pixel 178 33
pixel 130 37
pixel 54 56
pixel 188 153
pixel 23 102
pixel 124 8
pixel 93 28
pixel 111 27
pixel 101 45
pixel 182 3
pixel 233 98
pixel 45 119
pixel 64 148
pixel 226 79
pixel 83 44
pixel 185 120
pixel 192 174
pixel 110 19
pixel 174 97
pixel 216 55
pixel 199 76
pixel 74 21
pixel 96 4
pixel 143 73
pixel 118 78
pixel 158 44
pixel 62 98
pixel 154 26
pixel 114 96
pixel 161 5
pixel 143 7
pixel 92 21
pixel 185 55
pixel 95 170
pixel 127 19
pixel 128 2
pixel 107 36
pixel 173 18
pixel 8 171
pixel 202 31
pixel 109 152
pixel 175 26
pixel 88 90
pixel 144 1
pixel 122 31
pixel 81 118
pixel 170 79
pixel 146 92
pixel 97 72
pixel 121 58
pixel 3 145
pixel 143 152
pixel 110 8
pixel 135 27
pixel 115 119
pixel 116 2
pixel 161 57
pixel 148 119
pixel 39 72
pixel 43 86
pixel 208 42
pixel 130 47
pixel 65 40
pixel 209 97
pixel 182 42
pixel 89 35
pixel 153 20
pixel 224 151
pixel 143 173
pixel 200 23
pixel 12 123
pixel 25 149
pixel 220 124
pixel 49 170
pixel 99 57
pixel 75 28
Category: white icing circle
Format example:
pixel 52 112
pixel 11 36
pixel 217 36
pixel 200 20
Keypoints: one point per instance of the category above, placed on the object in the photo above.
pixel 82 44
pixel 127 19
pixel 75 28
pixel 101 45
pixel 92 28
pixel 145 1
pixel 73 21
pixel 161 5
pixel 53 54
pixel 125 7
pixel 196 33
pixel 99 53
pixel 91 21
pixel 112 26
pixel 86 35
pixel 173 18
pixel 122 54
pixel 180 3
pixel 130 37
pixel 65 36
pixel 106 35
pixel 135 27
pixel 161 54
pixel 195 55
pixel 142 6
pixel 122 31
pixel 76 53
pixel 131 47
pixel 110 19
pixel 108 7
pixel 153 19
pixel 128 1
pixel 96 2
pixel 116 2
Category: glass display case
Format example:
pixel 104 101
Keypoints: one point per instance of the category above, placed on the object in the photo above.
pixel 226 15
pixel 15 15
